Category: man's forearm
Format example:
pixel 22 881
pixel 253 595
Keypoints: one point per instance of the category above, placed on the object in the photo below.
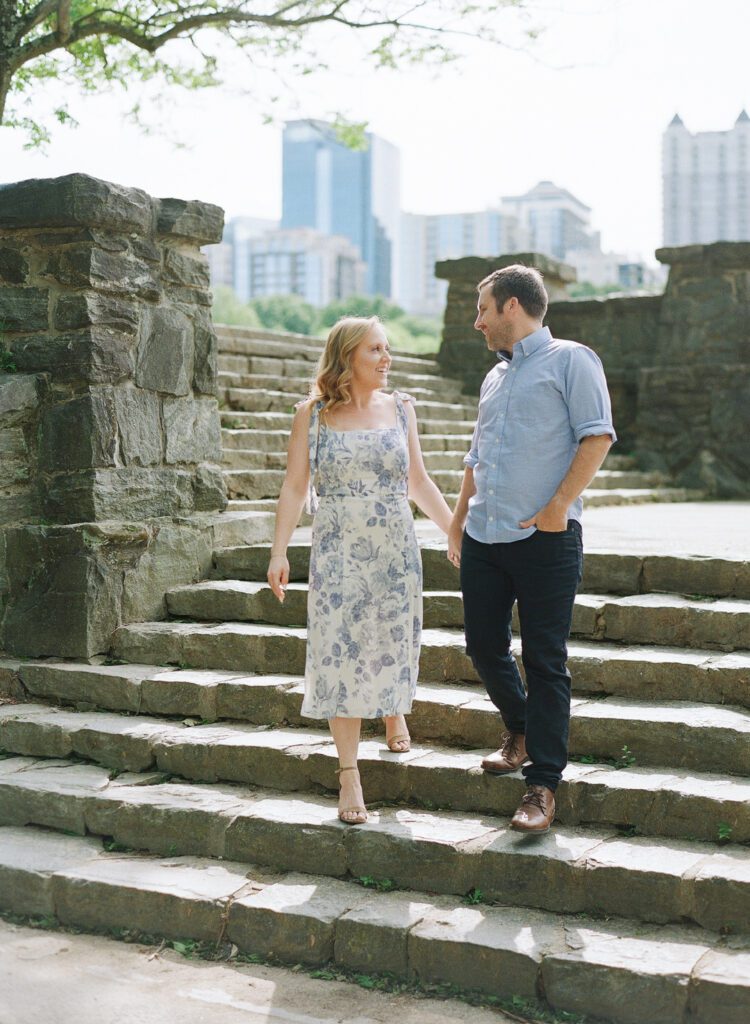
pixel 468 490
pixel 586 463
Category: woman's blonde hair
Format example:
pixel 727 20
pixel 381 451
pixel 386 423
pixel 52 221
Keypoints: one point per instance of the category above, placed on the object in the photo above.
pixel 333 375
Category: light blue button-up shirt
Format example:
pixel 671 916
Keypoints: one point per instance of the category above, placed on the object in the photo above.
pixel 534 408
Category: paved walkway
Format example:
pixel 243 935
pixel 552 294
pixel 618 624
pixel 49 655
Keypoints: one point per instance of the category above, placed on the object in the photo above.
pixel 715 529
pixel 56 978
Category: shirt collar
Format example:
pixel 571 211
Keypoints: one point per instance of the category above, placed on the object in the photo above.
pixel 529 344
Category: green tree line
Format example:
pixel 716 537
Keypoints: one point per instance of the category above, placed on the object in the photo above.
pixel 291 313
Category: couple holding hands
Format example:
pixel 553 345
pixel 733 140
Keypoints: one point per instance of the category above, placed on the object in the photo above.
pixel 543 428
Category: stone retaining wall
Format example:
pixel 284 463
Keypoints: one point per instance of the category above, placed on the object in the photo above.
pixel 678 364
pixel 109 429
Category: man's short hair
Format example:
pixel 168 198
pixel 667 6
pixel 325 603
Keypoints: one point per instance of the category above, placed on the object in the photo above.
pixel 518 282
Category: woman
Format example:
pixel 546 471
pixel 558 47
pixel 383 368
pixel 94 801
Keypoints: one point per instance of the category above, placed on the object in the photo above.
pixel 364 610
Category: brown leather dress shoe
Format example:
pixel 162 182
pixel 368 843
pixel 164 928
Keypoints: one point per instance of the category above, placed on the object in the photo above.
pixel 536 811
pixel 509 758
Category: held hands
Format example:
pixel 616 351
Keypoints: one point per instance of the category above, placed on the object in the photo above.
pixel 278 575
pixel 553 518
pixel 455 536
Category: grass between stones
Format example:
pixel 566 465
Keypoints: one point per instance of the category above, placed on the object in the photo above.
pixel 523 1010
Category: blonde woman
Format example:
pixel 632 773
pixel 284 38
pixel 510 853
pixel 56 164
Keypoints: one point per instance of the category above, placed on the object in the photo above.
pixel 359 446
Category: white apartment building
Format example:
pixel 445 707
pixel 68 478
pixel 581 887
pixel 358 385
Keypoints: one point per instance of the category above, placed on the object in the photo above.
pixel 305 262
pixel 428 238
pixel 706 184
pixel 554 221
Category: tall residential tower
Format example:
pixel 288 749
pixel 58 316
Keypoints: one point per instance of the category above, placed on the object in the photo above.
pixel 347 192
pixel 706 179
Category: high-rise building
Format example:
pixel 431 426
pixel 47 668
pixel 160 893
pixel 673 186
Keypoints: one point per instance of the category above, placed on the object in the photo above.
pixel 341 191
pixel 706 184
pixel 427 238
pixel 304 262
pixel 553 219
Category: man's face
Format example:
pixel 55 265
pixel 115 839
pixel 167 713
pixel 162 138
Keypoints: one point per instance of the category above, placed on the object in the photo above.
pixel 494 323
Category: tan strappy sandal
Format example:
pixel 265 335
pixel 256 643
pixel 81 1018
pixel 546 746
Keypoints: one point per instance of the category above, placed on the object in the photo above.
pixel 361 812
pixel 400 737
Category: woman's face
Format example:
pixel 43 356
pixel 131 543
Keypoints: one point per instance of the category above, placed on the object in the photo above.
pixel 371 360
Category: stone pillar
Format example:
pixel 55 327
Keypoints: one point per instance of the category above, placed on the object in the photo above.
pixel 463 353
pixel 110 440
pixel 693 415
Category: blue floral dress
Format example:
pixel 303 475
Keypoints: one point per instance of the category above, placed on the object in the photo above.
pixel 364 609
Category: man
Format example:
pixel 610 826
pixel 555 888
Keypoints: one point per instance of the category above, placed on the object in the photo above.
pixel 543 429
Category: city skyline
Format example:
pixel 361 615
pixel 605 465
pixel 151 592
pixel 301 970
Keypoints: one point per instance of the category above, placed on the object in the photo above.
pixel 585 107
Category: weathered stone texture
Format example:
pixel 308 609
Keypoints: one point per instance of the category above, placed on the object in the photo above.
pixel 677 365
pixel 111 412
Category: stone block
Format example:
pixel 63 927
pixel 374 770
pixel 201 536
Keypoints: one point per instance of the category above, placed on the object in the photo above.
pixel 295 920
pixel 20 396
pixel 721 891
pixel 29 861
pixel 94 355
pixel 608 573
pixel 24 309
pixel 189 269
pixel 209 488
pixel 179 898
pixel 48 794
pixel 34 731
pixel 290 835
pixel 118 273
pixel 94 309
pixel 165 354
pixel 182 692
pixel 197 222
pixel 373 937
pixel 720 988
pixel 205 353
pixel 73 200
pixel 115 687
pixel 615 976
pixel 132 493
pixel 13 267
pixel 192 430
pixel 139 426
pixel 80 433
pixel 638 877
pixel 483 949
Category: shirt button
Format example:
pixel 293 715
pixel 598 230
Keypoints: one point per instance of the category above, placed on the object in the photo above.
pixel 491 518
pixel 492 492
pixel 492 465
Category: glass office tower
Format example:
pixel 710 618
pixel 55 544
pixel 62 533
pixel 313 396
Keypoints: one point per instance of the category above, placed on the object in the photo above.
pixel 341 191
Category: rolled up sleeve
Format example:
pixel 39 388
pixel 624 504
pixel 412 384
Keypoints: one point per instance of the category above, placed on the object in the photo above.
pixel 587 397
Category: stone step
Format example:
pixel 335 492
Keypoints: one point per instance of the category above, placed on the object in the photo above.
pixel 263 400
pixel 689 804
pixel 568 871
pixel 626 973
pixel 418 385
pixel 639 496
pixel 253 483
pixel 631 479
pixel 277 440
pixel 235 527
pixel 603 571
pixel 299 347
pixel 666 619
pixel 671 674
pixel 238 419
pixel 404 368
pixel 251 459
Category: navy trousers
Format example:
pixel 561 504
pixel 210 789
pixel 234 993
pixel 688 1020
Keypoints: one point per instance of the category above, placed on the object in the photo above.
pixel 542 574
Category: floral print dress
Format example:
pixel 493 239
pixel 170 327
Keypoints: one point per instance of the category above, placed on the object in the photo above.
pixel 364 610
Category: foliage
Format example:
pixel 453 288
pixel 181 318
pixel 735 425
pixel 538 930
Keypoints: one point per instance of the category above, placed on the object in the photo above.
pixel 291 313
pixel 587 290
pixel 228 309
pixel 724 834
pixel 286 313
pixel 88 46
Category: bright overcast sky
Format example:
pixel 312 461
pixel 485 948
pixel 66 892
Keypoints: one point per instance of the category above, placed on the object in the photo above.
pixel 586 110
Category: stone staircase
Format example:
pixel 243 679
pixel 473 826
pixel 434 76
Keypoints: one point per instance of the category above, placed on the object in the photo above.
pixel 173 789
pixel 262 376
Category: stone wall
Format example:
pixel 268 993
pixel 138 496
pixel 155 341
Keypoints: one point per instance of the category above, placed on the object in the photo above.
pixel 463 352
pixel 678 364
pixel 110 439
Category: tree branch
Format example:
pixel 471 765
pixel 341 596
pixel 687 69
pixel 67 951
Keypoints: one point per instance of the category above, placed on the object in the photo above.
pixel 63 21
pixel 35 17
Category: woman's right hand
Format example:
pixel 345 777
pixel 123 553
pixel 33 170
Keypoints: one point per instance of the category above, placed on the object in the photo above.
pixel 278 575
